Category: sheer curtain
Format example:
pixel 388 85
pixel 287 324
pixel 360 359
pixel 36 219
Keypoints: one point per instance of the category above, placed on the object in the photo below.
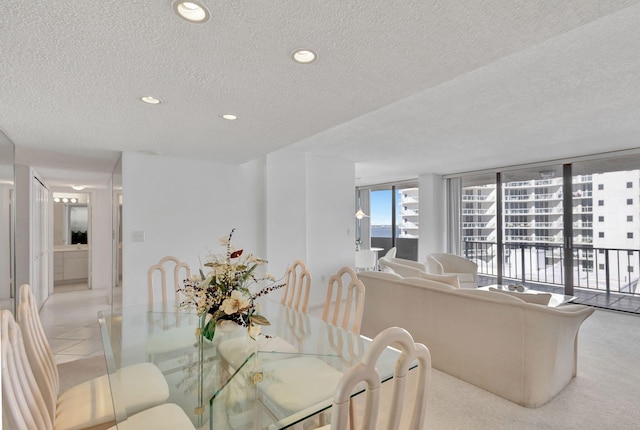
pixel 454 196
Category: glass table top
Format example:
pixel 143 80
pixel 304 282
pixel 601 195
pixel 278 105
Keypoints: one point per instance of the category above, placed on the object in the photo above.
pixel 233 382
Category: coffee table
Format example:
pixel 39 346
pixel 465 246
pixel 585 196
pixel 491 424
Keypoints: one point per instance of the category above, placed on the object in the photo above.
pixel 555 301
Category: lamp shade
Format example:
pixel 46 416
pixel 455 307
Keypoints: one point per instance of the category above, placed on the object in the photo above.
pixel 360 214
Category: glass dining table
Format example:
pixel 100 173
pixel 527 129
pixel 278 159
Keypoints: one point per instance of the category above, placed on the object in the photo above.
pixel 235 382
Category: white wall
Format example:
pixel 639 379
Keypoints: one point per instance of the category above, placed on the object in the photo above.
pixel 331 232
pixel 184 207
pixel 310 215
pixel 285 206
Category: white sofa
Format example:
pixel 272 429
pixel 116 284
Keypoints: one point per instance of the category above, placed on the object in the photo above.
pixel 413 269
pixel 524 352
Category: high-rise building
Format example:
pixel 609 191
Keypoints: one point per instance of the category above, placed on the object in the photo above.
pixel 409 225
pixel 606 225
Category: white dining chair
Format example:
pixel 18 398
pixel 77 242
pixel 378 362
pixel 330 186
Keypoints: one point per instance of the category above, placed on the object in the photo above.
pixel 24 407
pixel 165 289
pixel 87 404
pixel 295 382
pixel 366 372
pixel 297 286
pixel 172 328
pixel 344 306
pixel 344 303
pixel 365 260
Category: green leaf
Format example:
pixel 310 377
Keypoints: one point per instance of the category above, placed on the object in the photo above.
pixel 259 320
pixel 209 330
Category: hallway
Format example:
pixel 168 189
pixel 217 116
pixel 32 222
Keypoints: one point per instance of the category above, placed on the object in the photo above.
pixel 70 321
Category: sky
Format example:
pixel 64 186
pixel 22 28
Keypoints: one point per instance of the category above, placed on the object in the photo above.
pixel 380 202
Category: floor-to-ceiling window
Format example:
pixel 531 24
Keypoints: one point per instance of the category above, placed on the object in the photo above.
pixel 573 225
pixel 393 217
pixel 532 202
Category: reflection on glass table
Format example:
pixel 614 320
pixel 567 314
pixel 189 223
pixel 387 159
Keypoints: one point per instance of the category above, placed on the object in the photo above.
pixel 233 382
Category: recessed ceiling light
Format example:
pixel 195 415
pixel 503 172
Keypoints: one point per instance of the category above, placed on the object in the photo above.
pixel 304 56
pixel 78 187
pixel 151 100
pixel 191 11
pixel 229 117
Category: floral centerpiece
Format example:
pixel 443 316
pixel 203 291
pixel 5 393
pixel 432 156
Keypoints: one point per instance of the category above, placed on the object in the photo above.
pixel 225 292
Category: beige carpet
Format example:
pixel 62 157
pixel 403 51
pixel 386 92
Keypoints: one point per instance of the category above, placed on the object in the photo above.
pixel 604 395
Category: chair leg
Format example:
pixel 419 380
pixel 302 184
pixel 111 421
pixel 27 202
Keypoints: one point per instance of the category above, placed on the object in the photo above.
pixel 352 419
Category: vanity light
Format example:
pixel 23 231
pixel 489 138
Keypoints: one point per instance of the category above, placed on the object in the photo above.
pixel 56 199
pixel 229 117
pixel 304 56
pixel 191 11
pixel 65 200
pixel 74 200
pixel 151 100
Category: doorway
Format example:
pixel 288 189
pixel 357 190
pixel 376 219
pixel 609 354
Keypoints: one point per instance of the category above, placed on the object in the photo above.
pixel 71 242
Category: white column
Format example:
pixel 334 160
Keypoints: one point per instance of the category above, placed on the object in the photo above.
pixel 432 215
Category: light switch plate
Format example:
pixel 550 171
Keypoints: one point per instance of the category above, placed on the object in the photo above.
pixel 137 236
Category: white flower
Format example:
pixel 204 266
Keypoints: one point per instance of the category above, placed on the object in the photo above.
pixel 254 331
pixel 205 282
pixel 269 277
pixel 234 303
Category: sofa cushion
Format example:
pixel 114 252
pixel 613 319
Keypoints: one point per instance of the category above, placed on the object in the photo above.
pixel 538 299
pixel 445 279
pixel 465 277
pixel 489 295
pixel 428 283
pixel 387 269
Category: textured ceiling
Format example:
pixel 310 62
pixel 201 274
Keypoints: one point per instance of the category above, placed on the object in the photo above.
pixel 400 87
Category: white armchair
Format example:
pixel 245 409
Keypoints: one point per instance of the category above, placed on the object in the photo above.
pixel 404 268
pixel 451 264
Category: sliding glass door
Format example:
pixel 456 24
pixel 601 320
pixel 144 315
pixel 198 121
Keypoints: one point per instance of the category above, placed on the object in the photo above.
pixel 532 220
pixel 607 228
pixel 556 226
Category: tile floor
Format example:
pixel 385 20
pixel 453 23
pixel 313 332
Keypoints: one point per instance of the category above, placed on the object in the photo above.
pixel 70 321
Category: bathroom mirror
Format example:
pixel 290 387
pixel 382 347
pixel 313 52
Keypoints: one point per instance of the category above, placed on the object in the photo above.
pixel 70 219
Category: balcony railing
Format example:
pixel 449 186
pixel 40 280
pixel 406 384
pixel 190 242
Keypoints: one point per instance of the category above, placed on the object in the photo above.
pixel 603 269
pixel 517 197
pixel 476 212
pixel 517 211
pixel 475 197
